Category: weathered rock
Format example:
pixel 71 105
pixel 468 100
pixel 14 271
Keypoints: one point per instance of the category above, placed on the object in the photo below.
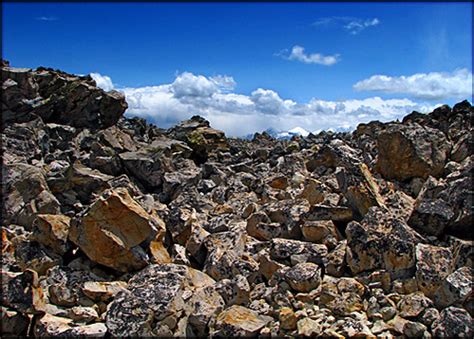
pixel 453 322
pixel 103 291
pixel 304 277
pixel 408 151
pixel 298 251
pixel 319 231
pixel 455 288
pixel 156 300
pixel 59 97
pixel 64 286
pixel 308 327
pixel 239 321
pixel 433 264
pixel 431 216
pixel 287 318
pixel 360 189
pixel 381 241
pixel 52 231
pixel 313 191
pixel 21 291
pixel 50 325
pixel 13 322
pixel 412 305
pixel 325 212
pixel 115 231
pixel 342 296
pixel 26 195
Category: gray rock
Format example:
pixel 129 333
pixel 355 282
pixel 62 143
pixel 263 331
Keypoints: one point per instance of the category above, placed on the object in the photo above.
pixel 453 322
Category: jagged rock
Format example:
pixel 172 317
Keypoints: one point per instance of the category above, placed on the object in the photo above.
pixel 238 321
pixel 313 191
pixel 304 277
pixel 200 137
pixel 64 286
pixel 260 226
pixel 145 167
pixel 453 322
pixel 298 251
pixel 412 305
pixel 431 216
pixel 103 291
pixel 325 212
pixel 463 252
pixel 32 255
pixel 433 264
pixel 50 325
pixel 287 318
pixel 115 231
pixel 21 291
pixel 408 151
pixel 381 241
pixel 320 231
pixel 58 97
pixel 26 195
pixel 82 314
pixel 92 330
pixel 455 288
pixel 335 154
pixel 308 327
pixel 336 260
pixel 157 298
pixel 52 231
pixel 360 189
pixel 13 322
pixel 341 295
pixel 82 180
pixel 414 329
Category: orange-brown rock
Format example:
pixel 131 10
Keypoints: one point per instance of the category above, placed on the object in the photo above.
pixel 116 231
pixel 52 231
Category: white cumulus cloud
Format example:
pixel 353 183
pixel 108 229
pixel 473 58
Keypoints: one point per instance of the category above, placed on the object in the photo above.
pixel 238 114
pixel 428 86
pixel 103 81
pixel 298 54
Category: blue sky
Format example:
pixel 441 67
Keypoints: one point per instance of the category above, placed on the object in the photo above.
pixel 259 65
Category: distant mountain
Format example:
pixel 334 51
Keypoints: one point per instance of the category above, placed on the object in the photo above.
pixel 297 131
pixel 279 134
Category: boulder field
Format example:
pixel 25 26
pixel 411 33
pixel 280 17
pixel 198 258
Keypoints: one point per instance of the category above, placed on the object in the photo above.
pixel 112 226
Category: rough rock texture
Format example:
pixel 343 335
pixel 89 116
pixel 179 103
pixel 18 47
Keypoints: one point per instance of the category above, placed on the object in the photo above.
pixel 115 230
pixel 408 151
pixel 113 227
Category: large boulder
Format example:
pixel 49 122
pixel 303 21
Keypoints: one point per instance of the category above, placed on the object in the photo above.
pixel 162 299
pixel 26 194
pixel 116 231
pixel 409 151
pixel 58 97
pixel 381 241
pixel 203 139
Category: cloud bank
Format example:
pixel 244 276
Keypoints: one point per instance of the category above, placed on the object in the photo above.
pixel 429 86
pixel 239 115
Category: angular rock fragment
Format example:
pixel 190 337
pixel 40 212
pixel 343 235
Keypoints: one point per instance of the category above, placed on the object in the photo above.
pixel 238 321
pixel 115 231
pixel 408 151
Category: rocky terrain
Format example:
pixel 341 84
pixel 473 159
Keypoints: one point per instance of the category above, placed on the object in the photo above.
pixel 115 227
